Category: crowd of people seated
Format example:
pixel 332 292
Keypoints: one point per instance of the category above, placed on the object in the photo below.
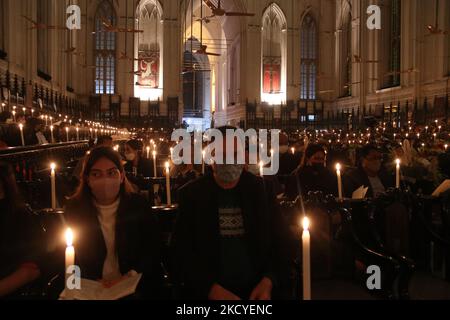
pixel 229 237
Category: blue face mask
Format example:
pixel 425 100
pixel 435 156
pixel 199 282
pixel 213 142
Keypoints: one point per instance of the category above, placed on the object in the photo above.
pixel 229 173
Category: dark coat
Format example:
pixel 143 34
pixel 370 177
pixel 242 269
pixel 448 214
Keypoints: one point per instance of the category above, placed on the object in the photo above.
pixel 358 177
pixel 137 240
pixel 197 234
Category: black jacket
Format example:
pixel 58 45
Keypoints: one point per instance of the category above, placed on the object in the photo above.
pixel 197 235
pixel 144 168
pixel 137 241
pixel 21 239
pixel 358 177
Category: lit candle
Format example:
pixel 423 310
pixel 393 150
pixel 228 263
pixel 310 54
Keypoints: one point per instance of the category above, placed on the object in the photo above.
pixel 116 148
pixel 203 162
pixel 78 133
pixel 446 147
pixel 306 247
pixel 46 120
pixel 339 178
pixel 148 152
pixel 32 112
pixel 169 200
pixel 51 132
pixel 154 163
pixel 21 134
pixel 90 132
pixel 14 115
pixel 397 174
pixel 51 120
pixel 53 184
pixel 293 150
pixel 67 134
pixel 70 254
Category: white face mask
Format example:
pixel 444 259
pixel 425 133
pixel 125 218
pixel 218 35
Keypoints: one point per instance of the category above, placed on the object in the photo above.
pixel 254 169
pixel 130 156
pixel 105 190
pixel 229 173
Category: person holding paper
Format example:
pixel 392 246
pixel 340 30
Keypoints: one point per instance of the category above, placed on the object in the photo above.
pixel 20 238
pixel 224 240
pixel 370 173
pixel 117 232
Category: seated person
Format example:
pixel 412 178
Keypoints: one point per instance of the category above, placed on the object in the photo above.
pixel 118 232
pixel 288 161
pixel 223 241
pixel 19 238
pixel 33 132
pixel 313 175
pixel 136 163
pixel 369 174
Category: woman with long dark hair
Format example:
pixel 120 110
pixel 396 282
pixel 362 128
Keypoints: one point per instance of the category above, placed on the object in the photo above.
pixel 115 232
pixel 136 163
pixel 313 174
pixel 19 237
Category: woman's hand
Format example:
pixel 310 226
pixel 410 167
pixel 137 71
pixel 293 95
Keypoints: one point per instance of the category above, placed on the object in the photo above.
pixel 263 291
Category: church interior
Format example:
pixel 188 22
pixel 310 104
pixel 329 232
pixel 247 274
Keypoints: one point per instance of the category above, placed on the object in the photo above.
pixel 357 91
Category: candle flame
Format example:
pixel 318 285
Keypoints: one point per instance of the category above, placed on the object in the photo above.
pixel 69 237
pixel 397 161
pixel 20 126
pixel 52 166
pixel 338 166
pixel 305 223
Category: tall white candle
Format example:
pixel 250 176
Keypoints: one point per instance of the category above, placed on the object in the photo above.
pixel 51 132
pixel 148 152
pixel 21 134
pixel 261 169
pixel 78 134
pixel 169 198
pixel 339 178
pixel 306 247
pixel 70 254
pixel 203 162
pixel 53 184
pixel 154 163
pixel 67 134
pixel 293 150
pixel 397 173
pixel 14 115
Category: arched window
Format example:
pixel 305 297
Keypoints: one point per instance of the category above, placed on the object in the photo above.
pixel 43 37
pixel 105 49
pixel 274 40
pixel 149 50
pixel 308 59
pixel 391 41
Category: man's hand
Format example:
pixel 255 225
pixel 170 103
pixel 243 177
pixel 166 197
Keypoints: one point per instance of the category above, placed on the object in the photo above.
pixel 263 291
pixel 217 292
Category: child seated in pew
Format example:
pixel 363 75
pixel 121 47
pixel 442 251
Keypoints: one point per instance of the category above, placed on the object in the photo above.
pixel 19 238
pixel 117 232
